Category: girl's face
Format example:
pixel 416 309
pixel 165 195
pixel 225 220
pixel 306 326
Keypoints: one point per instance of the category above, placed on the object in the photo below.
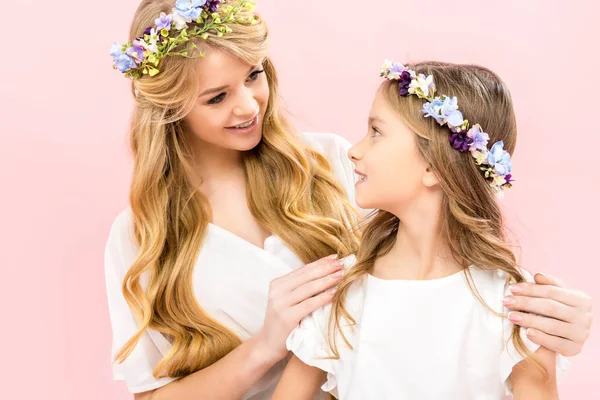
pixel 391 169
pixel 231 103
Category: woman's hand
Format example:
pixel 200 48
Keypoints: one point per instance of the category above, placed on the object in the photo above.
pixel 294 296
pixel 557 318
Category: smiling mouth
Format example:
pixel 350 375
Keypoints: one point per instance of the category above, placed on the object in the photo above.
pixel 245 124
pixel 361 177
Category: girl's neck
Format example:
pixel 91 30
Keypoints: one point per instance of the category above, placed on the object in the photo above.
pixel 419 251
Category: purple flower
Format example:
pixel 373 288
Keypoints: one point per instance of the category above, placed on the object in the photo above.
pixel 211 5
pixel 460 141
pixel 508 179
pixel 404 83
pixel 123 62
pixel 136 51
pixel 147 30
pixel 163 22
pixel 189 9
pixel 480 138
pixel 500 159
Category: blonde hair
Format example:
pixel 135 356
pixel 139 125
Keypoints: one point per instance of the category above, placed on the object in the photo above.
pixel 291 192
pixel 472 222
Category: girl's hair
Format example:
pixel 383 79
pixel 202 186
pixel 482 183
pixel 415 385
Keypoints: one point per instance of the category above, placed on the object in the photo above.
pixel 472 222
pixel 292 192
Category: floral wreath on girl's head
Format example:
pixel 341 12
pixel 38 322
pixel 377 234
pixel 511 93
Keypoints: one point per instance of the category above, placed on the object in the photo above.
pixel 495 163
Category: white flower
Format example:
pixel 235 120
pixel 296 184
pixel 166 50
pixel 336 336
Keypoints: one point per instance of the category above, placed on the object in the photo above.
pixel 498 181
pixel 392 70
pixel 387 65
pixel 480 156
pixel 421 85
pixel 180 21
pixel 152 44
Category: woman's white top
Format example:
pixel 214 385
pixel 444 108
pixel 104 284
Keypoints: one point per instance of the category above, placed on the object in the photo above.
pixel 417 339
pixel 230 279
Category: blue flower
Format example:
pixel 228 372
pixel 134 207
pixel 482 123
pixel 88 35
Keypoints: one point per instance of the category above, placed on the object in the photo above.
pixel 189 9
pixel 499 159
pixel 444 111
pixel 480 138
pixel 163 22
pixel 124 63
pixel 450 111
pixel 432 109
pixel 116 49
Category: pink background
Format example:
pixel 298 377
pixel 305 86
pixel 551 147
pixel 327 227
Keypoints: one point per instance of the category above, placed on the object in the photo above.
pixel 65 163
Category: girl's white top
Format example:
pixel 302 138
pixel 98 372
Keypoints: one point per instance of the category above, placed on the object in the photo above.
pixel 417 339
pixel 231 282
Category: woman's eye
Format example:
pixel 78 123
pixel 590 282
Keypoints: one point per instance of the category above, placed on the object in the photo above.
pixel 217 99
pixel 254 76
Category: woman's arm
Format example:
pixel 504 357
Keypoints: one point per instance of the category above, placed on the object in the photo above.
pixel 299 381
pixel 229 378
pixel 291 298
pixel 530 382
pixel 559 319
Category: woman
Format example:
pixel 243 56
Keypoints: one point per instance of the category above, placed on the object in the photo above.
pixel 224 247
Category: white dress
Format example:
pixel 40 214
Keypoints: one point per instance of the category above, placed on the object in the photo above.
pixel 231 281
pixel 417 340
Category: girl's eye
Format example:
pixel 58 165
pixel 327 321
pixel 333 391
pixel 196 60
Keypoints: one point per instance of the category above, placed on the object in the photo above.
pixel 375 132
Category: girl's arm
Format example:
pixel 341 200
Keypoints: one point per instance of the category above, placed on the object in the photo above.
pixel 530 382
pixel 299 381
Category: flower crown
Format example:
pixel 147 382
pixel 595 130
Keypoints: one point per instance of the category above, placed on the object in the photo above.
pixel 495 163
pixel 189 18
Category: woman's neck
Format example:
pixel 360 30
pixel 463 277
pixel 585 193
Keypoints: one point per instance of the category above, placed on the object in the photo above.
pixel 217 167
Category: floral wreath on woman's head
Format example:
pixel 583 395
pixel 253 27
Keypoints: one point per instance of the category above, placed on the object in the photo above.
pixel 188 19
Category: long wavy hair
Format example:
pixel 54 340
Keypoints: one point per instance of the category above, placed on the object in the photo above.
pixel 291 191
pixel 472 222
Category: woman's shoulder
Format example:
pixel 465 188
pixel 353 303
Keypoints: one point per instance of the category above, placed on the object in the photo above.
pixel 327 143
pixel 122 226
pixel 121 248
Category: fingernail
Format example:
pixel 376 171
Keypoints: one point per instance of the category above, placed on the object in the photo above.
pixel 530 332
pixel 337 263
pixel 332 257
pixel 515 289
pixel 339 274
pixel 508 301
pixel 332 290
pixel 539 273
pixel 514 317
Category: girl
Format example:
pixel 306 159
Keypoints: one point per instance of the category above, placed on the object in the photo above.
pixel 220 254
pixel 420 313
